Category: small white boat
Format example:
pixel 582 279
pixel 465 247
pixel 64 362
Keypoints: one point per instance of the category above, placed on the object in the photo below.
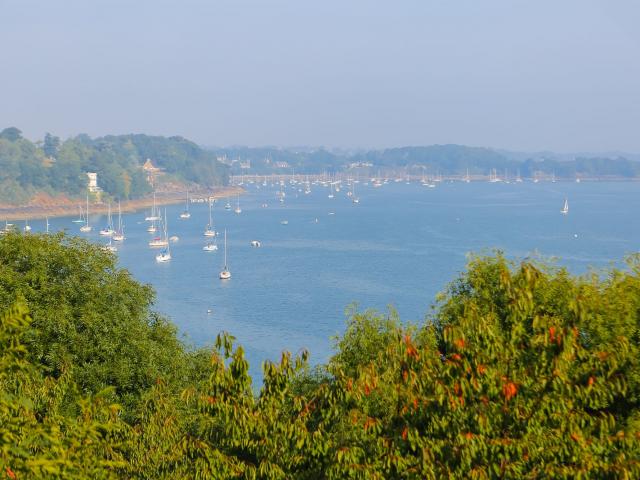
pixel 210 247
pixel 174 238
pixel 158 242
pixel 238 209
pixel 154 217
pixel 86 227
pixel 227 206
pixel 225 274
pixel 164 255
pixel 109 247
pixel 118 235
pixel 255 243
pixel 565 207
pixel 209 231
pixel 108 230
pixel 27 227
pixel 284 222
pixel 185 214
pixel 80 218
pixel 152 229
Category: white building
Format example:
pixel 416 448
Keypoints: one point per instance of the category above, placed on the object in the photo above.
pixel 93 182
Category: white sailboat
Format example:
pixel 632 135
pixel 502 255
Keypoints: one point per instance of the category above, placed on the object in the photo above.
pixel 165 255
pixel 80 218
pixel 118 235
pixel 46 223
pixel 108 230
pixel 565 207
pixel 154 217
pixel 225 274
pixel 210 231
pixel 27 227
pixel 86 227
pixel 210 247
pixel 110 247
pixel 238 209
pixel 186 214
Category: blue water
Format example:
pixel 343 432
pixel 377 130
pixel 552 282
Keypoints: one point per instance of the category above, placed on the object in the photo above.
pixel 400 246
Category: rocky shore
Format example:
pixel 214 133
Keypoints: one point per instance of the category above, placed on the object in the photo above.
pixel 43 205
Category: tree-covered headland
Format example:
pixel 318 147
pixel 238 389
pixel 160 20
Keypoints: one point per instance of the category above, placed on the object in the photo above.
pixel 521 371
pixel 59 166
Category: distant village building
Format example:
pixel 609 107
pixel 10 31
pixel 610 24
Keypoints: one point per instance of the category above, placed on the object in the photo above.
pixel 281 164
pixel 246 165
pixel 223 159
pixel 151 170
pixel 93 182
pixel 360 165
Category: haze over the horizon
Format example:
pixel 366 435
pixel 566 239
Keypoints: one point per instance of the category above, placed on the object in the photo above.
pixel 512 74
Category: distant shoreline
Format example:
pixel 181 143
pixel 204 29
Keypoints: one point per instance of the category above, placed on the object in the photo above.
pixel 69 208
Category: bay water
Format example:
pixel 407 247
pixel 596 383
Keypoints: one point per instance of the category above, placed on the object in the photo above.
pixel 399 246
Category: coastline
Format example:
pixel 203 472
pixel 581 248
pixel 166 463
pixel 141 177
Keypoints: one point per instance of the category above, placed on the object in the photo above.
pixel 69 208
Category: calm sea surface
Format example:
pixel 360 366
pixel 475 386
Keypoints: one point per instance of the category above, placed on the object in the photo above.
pixel 399 246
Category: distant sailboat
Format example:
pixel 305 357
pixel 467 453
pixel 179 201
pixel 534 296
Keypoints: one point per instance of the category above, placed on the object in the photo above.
pixel 154 217
pixel 27 227
pixel 225 274
pixel 565 208
pixel 186 213
pixel 108 230
pixel 210 247
pixel 46 223
pixel 165 255
pixel 209 231
pixel 110 247
pixel 238 209
pixel 80 218
pixel 86 227
pixel 118 235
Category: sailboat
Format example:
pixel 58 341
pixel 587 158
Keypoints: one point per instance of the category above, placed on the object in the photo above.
pixel 118 235
pixel 238 210
pixel 154 212
pixel 86 227
pixel 210 247
pixel 46 220
pixel 27 227
pixel 330 190
pixel 354 199
pixel 565 207
pixel 186 213
pixel 80 218
pixel 467 178
pixel 209 231
pixel 108 230
pixel 225 274
pixel 110 247
pixel 165 255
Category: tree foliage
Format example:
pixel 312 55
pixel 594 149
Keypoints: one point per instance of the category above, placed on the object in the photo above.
pixel 61 167
pixel 521 371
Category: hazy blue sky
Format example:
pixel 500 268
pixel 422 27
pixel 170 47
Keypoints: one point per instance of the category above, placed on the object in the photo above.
pixel 528 75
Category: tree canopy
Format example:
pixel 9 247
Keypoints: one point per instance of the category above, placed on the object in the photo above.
pixel 61 166
pixel 521 370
